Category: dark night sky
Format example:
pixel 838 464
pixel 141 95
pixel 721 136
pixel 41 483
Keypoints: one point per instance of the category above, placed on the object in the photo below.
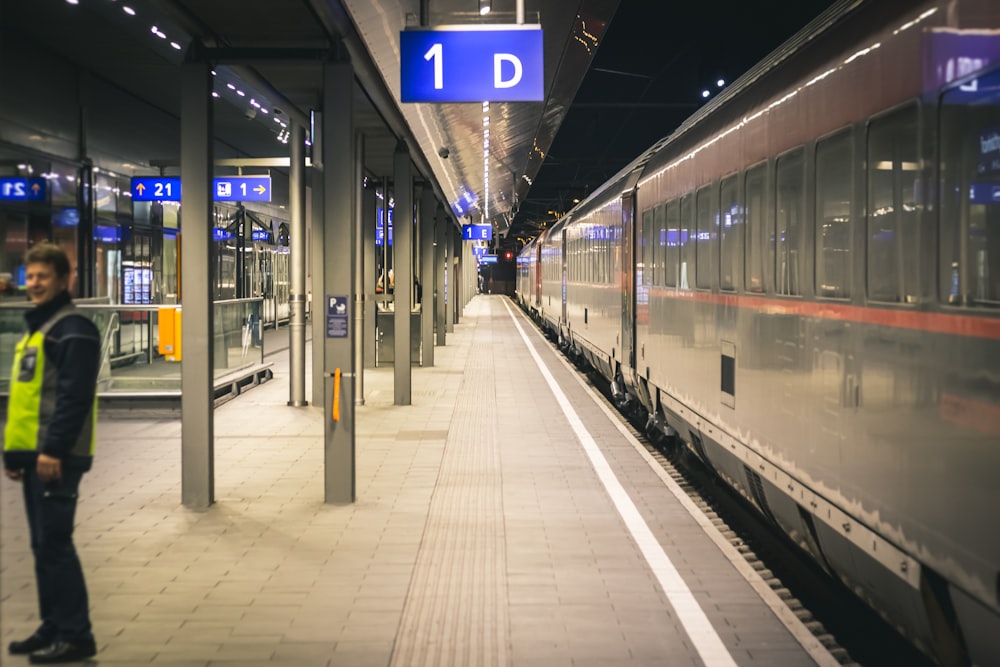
pixel 647 77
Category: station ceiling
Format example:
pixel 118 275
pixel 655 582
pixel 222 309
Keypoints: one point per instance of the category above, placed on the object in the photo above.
pixel 273 53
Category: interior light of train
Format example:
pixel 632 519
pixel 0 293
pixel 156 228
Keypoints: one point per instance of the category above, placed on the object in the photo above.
pixel 887 165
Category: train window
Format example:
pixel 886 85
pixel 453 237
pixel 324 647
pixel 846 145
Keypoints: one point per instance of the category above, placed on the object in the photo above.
pixel 645 276
pixel 659 243
pixel 893 208
pixel 789 211
pixel 685 244
pixel 833 216
pixel 707 215
pixel 730 235
pixel 756 229
pixel 970 193
pixel 670 240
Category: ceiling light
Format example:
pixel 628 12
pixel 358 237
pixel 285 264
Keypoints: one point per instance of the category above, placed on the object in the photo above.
pixel 128 10
pixel 705 93
pixel 175 45
pixel 484 7
pixel 73 2
pixel 720 83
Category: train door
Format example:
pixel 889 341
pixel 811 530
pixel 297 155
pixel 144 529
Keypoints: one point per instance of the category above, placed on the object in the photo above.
pixel 562 280
pixel 628 270
pixel 538 274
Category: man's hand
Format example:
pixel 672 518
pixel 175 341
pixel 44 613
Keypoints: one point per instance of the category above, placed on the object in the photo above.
pixel 16 475
pixel 49 468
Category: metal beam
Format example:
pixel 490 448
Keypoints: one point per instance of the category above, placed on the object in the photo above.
pixel 297 243
pixel 337 343
pixel 402 264
pixel 197 386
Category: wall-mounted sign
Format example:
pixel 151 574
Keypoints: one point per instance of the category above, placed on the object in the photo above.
pixel 477 232
pixel 228 188
pixel 336 316
pixel 488 259
pixel 487 63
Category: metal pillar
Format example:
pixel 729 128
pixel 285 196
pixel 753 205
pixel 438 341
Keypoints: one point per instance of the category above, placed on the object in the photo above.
pixel 402 264
pixel 297 243
pixel 453 243
pixel 440 272
pixel 359 270
pixel 428 207
pixel 317 271
pixel 459 292
pixel 333 298
pixel 197 386
pixel 368 206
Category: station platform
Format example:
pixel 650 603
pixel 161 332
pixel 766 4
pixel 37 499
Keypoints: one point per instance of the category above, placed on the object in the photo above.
pixel 506 517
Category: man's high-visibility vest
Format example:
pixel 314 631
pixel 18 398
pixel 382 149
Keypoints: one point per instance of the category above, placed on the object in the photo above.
pixel 32 402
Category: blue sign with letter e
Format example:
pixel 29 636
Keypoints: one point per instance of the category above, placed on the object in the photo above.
pixel 477 232
pixel 489 64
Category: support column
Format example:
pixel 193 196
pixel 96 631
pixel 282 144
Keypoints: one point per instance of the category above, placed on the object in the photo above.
pixel 368 206
pixel 452 287
pixel 197 386
pixel 428 207
pixel 317 265
pixel 359 270
pixel 402 264
pixel 459 291
pixel 297 246
pixel 334 302
pixel 440 271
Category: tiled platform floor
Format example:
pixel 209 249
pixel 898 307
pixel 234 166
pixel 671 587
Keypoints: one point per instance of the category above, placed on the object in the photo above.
pixel 481 534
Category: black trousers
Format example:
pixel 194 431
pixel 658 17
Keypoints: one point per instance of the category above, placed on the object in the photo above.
pixel 62 591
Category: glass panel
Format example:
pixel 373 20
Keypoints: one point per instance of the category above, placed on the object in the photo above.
pixel 834 175
pixel 708 216
pixel 893 213
pixel 731 236
pixel 685 242
pixel 788 213
pixel 970 194
pixel 669 240
pixel 645 265
pixel 660 244
pixel 756 230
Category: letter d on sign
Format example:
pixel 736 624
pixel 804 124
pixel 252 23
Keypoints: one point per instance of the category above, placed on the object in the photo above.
pixel 498 80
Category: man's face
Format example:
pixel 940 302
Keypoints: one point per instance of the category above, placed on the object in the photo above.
pixel 43 284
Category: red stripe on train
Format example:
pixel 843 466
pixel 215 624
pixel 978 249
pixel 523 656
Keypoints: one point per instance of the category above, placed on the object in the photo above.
pixel 956 324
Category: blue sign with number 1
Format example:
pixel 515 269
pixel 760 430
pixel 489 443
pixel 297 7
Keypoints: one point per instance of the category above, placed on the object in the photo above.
pixel 489 64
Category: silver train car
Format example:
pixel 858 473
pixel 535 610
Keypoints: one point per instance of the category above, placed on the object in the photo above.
pixel 802 283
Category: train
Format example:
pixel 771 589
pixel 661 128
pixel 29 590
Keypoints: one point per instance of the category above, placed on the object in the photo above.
pixel 801 286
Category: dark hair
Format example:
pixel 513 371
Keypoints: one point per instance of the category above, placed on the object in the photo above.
pixel 51 254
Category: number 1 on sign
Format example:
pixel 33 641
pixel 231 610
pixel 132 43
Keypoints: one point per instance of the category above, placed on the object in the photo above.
pixel 437 54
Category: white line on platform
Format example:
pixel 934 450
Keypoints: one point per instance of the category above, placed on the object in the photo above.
pixel 704 637
pixel 809 642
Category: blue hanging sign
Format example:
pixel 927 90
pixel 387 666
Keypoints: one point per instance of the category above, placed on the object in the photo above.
pixel 228 188
pixel 487 63
pixel 243 188
pixel 22 189
pixel 477 232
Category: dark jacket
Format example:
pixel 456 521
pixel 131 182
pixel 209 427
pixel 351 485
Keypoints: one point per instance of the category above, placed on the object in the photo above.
pixel 74 346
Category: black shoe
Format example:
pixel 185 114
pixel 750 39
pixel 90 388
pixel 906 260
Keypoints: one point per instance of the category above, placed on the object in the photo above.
pixel 62 652
pixel 33 643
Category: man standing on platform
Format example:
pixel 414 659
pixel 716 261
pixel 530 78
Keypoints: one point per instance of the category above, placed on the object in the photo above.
pixel 49 445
